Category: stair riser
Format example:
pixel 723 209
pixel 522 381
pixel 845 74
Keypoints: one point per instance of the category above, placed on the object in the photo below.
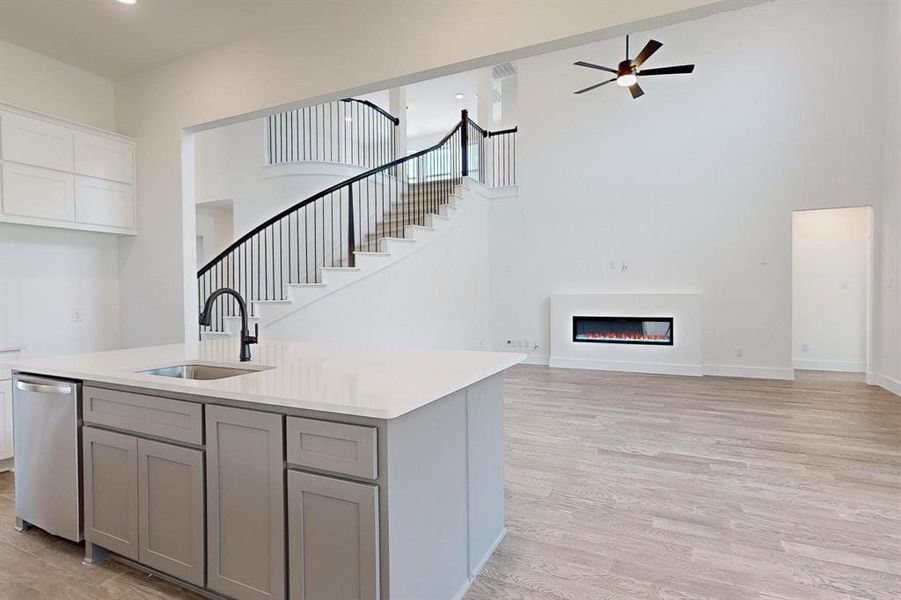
pixel 336 277
pixel 301 295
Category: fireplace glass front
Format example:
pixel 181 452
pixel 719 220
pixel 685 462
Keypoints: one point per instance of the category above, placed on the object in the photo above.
pixel 657 331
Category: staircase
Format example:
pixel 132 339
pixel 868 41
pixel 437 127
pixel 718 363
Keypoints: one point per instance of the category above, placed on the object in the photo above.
pixel 346 232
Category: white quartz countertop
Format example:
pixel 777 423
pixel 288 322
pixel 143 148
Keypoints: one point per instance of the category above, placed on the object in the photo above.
pixel 346 380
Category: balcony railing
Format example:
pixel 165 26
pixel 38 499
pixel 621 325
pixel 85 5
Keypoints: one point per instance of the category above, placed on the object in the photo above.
pixel 350 131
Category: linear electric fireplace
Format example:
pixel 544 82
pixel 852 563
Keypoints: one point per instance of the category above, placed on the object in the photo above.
pixel 656 331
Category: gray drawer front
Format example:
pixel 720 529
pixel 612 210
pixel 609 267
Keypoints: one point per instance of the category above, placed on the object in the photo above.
pixel 150 415
pixel 336 447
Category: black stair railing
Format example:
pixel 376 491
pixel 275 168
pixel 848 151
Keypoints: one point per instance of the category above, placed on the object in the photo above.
pixel 328 228
pixel 502 150
pixel 349 131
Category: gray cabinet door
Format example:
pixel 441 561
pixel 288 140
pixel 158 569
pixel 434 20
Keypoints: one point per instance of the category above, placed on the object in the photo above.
pixel 333 551
pixel 245 503
pixel 171 510
pixel 111 491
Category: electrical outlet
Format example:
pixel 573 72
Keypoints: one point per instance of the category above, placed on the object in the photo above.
pixel 805 348
pixel 739 352
pixel 76 315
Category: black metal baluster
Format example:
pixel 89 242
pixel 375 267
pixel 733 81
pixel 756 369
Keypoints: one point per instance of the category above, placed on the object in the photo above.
pixel 350 229
pixel 306 244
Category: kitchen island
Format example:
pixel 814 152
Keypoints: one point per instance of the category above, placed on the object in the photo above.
pixel 312 471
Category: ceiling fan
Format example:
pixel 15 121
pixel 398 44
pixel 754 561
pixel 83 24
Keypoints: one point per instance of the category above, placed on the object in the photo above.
pixel 627 73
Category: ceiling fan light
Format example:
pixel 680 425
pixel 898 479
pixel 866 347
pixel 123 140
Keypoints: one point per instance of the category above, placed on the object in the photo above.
pixel 627 80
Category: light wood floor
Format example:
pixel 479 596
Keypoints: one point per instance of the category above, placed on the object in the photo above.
pixel 637 486
pixel 645 487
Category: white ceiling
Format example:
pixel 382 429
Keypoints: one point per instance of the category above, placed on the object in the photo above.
pixel 113 39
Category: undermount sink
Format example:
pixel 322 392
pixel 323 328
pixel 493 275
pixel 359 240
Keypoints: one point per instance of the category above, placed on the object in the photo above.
pixel 201 372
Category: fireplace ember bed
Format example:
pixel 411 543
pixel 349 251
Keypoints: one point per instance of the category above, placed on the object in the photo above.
pixel 653 331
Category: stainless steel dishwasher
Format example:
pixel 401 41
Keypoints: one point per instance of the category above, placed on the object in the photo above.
pixel 46 417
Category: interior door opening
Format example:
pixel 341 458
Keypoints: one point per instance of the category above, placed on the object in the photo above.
pixel 831 288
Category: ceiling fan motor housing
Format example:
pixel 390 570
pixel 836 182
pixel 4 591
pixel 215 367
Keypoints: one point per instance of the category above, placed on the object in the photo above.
pixel 626 67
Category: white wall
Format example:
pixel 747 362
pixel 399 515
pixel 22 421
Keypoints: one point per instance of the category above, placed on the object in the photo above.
pixel 45 85
pixel 272 68
pixel 46 274
pixel 215 229
pixel 887 345
pixel 694 184
pixel 830 285
pixel 230 165
pixel 437 297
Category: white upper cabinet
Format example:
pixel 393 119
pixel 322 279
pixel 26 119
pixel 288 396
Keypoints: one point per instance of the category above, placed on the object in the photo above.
pixel 61 174
pixel 38 193
pixel 36 142
pixel 101 202
pixel 104 158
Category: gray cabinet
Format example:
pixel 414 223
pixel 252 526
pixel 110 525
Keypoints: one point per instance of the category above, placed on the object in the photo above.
pixel 333 550
pixel 171 510
pixel 245 503
pixel 337 447
pixel 150 415
pixel 111 491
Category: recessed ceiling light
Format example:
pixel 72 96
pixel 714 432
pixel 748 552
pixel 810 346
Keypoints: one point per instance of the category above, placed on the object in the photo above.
pixel 348 119
pixel 128 1
pixel 459 96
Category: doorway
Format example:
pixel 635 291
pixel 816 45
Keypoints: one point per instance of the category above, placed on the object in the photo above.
pixel 831 288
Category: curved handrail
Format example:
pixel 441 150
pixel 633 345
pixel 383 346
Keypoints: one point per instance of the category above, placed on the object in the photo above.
pixel 376 107
pixel 341 184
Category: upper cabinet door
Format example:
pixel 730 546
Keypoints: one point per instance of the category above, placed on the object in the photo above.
pixel 36 142
pixel 103 157
pixel 38 193
pixel 102 202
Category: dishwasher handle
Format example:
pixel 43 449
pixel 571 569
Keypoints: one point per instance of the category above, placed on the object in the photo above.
pixel 43 388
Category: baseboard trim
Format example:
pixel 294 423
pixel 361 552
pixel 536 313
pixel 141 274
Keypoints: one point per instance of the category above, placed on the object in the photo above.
pixel 749 372
pixel 536 359
pixel 475 573
pixel 886 383
pixel 627 366
pixel 844 366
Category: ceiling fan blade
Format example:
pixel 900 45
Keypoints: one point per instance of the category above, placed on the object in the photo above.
pixel 650 48
pixel 597 85
pixel 636 91
pixel 582 63
pixel 681 69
